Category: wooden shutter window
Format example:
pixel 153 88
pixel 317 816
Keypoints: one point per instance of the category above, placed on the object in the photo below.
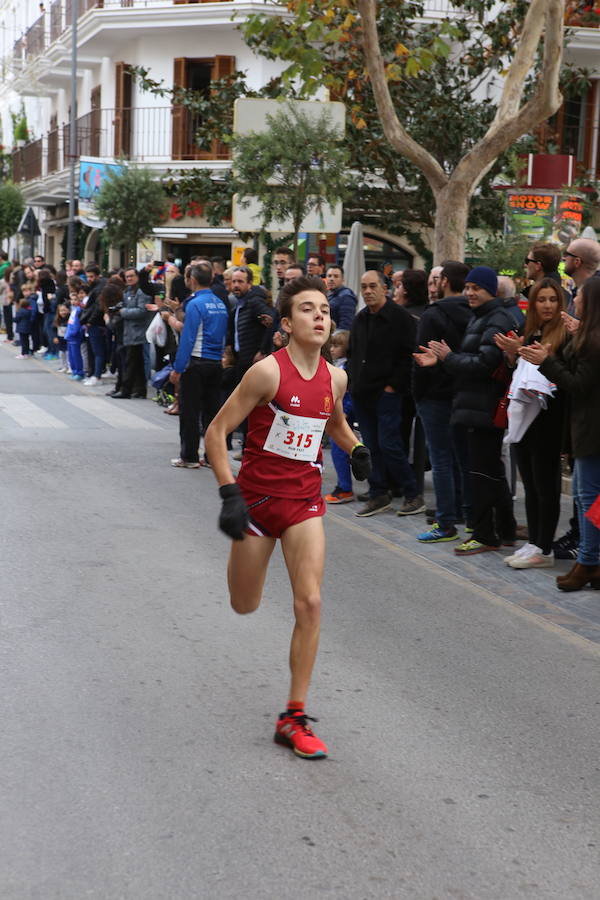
pixel 123 90
pixel 178 113
pixel 223 66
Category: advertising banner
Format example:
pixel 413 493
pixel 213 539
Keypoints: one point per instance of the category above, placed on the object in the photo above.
pixel 544 215
pixel 91 175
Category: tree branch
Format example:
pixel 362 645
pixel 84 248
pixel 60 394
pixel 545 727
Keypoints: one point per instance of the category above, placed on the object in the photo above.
pixel 523 60
pixel 398 137
pixel 511 123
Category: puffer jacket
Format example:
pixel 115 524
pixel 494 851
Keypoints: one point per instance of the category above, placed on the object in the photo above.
pixel 445 320
pixel 476 391
pixel 135 316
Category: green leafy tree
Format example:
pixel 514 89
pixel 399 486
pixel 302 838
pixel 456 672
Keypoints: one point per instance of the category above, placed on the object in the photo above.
pixel 433 72
pixel 295 167
pixel 131 204
pixel 12 207
pixel 411 88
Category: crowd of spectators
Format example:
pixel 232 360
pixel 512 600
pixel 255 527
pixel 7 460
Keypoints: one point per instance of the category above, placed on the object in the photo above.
pixel 455 368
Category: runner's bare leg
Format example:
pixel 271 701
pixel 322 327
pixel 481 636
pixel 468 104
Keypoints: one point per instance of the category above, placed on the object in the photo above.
pixel 303 548
pixel 247 570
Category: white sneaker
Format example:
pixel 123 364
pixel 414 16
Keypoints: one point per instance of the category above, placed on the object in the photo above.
pixel 535 561
pixel 62 369
pixel 91 381
pixel 524 551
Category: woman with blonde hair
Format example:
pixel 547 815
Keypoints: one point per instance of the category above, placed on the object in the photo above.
pixel 539 450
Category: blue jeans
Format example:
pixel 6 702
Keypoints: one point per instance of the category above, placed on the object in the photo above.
pixel 49 332
pixel 341 462
pixel 97 336
pixel 379 421
pixel 446 460
pixel 586 487
pixel 75 358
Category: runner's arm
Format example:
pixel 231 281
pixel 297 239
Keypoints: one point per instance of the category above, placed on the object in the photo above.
pixel 257 387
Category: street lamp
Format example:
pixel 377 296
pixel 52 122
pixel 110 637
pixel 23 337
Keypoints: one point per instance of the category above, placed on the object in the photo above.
pixel 72 132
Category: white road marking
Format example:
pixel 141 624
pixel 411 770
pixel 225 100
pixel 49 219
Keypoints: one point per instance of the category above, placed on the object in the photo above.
pixel 111 412
pixel 28 414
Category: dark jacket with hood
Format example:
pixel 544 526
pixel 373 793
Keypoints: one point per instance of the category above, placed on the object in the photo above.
pixel 92 313
pixel 476 391
pixel 444 320
pixel 253 336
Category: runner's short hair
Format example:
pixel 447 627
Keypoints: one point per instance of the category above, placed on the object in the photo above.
pixel 295 287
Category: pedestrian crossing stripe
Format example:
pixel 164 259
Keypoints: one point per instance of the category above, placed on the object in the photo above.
pixel 110 412
pixel 29 414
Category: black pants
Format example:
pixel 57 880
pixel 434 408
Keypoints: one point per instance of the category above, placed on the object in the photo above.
pixel 199 396
pixel 8 321
pixel 493 519
pixel 539 465
pixel 134 378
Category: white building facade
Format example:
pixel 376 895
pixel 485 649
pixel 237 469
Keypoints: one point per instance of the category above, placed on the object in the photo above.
pixel 181 43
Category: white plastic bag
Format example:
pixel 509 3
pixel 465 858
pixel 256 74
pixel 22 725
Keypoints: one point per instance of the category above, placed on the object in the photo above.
pixel 156 333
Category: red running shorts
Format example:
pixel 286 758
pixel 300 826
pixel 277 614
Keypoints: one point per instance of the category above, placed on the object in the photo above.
pixel 271 516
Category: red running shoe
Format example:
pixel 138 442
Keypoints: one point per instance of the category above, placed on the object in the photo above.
pixel 292 731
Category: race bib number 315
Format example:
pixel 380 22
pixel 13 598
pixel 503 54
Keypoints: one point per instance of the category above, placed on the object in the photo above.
pixel 295 437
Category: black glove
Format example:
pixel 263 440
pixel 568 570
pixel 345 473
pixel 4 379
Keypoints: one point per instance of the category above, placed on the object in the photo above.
pixel 360 460
pixel 234 512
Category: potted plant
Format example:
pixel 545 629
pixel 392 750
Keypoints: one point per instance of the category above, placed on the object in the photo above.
pixel 20 129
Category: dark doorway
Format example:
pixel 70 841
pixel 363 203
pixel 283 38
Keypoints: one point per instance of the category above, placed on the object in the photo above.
pixel 184 252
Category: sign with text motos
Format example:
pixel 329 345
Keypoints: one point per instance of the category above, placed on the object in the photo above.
pixel 250 116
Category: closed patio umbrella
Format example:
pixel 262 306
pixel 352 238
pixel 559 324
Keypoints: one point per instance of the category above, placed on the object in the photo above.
pixel 354 261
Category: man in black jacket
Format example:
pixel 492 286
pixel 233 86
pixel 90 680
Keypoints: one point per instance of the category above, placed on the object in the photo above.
pixel 249 337
pixel 477 390
pixel 93 318
pixel 249 323
pixel 379 363
pixel 446 319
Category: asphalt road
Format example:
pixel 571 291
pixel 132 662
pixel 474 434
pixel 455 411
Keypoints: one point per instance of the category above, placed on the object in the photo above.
pixel 138 709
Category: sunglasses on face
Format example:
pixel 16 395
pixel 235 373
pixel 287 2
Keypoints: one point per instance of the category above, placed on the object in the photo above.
pixel 528 259
pixel 568 253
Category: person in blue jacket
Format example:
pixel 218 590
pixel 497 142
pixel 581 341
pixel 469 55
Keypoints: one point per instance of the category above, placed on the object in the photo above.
pixel 342 299
pixel 74 337
pixel 197 367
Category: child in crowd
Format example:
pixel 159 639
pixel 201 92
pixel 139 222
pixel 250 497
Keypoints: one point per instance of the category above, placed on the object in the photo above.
pixel 74 337
pixel 60 325
pixel 342 492
pixel 24 323
pixel 86 355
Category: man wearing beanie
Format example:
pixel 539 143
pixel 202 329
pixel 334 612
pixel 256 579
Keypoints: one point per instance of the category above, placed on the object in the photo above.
pixel 476 395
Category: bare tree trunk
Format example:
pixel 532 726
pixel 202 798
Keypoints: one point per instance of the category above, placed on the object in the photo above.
pixel 450 223
pixel 513 118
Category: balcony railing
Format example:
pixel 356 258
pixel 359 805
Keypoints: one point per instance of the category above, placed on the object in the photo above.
pixel 35 37
pixel 56 20
pixel 146 134
pixel 47 29
pixel 27 162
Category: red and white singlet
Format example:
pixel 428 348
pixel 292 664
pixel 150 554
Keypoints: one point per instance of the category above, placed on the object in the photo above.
pixel 282 456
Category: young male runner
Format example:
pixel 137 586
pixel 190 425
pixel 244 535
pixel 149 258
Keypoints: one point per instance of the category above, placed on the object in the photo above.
pixel 289 399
